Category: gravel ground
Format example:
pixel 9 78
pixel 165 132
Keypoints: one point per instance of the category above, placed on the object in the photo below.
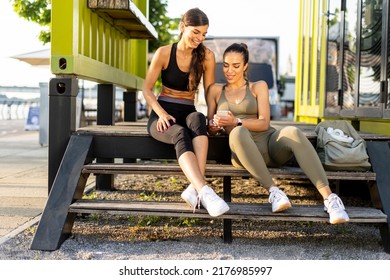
pixel 150 238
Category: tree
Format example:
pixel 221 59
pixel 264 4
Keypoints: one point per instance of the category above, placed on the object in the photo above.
pixel 36 11
pixel 39 11
pixel 162 23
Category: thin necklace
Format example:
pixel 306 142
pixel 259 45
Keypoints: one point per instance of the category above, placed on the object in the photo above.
pixel 239 86
pixel 233 95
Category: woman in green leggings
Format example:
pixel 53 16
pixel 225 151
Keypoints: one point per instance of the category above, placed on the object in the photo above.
pixel 241 109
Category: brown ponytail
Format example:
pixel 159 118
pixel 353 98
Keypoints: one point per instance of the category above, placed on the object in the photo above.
pixel 196 17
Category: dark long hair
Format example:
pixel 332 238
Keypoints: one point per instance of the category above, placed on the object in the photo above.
pixel 196 17
pixel 241 48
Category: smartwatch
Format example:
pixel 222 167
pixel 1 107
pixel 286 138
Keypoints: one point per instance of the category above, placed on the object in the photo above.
pixel 239 122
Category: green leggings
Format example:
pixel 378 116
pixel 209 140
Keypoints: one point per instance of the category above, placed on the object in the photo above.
pixel 273 150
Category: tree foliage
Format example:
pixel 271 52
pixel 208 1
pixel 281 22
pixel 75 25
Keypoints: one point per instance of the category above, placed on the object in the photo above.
pixel 39 11
pixel 162 24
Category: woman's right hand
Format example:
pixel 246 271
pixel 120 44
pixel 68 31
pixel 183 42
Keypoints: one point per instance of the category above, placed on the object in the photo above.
pixel 164 122
pixel 213 129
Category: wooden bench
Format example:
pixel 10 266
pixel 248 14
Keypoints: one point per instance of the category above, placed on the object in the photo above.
pixel 130 141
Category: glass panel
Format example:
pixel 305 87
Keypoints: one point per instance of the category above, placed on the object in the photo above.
pixel 370 53
pixel 349 65
pixel 388 66
pixel 333 71
pixel 302 68
pixel 310 57
pixel 319 30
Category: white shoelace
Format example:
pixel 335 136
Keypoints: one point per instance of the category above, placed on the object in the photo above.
pixel 275 195
pixel 336 203
pixel 197 203
pixel 212 197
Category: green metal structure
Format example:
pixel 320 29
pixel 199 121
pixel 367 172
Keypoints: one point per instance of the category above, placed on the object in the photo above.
pixel 102 41
pixel 343 67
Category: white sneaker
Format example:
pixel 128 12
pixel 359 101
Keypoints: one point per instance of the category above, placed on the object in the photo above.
pixel 279 200
pixel 190 195
pixel 215 205
pixel 336 210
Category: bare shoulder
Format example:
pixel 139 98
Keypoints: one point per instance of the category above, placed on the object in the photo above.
pixel 259 88
pixel 209 52
pixel 161 56
pixel 216 87
pixel 209 55
pixel 259 85
pixel 164 50
pixel 215 90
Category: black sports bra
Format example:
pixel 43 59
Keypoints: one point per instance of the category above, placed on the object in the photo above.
pixel 172 77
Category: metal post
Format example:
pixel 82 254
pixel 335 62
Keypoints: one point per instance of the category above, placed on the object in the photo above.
pixel 105 104
pixel 62 121
pixel 227 196
pixel 105 116
pixel 130 106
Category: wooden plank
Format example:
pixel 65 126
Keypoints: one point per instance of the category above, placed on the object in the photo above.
pixel 285 172
pixel 108 4
pixel 124 13
pixel 245 211
pixel 139 128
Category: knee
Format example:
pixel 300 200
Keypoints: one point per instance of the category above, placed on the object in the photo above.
pixel 196 118
pixel 292 132
pixel 238 135
pixel 292 135
pixel 196 122
pixel 180 134
pixel 238 132
pixel 182 142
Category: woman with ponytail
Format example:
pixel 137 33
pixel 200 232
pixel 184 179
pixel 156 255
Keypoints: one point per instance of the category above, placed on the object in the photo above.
pixel 254 143
pixel 174 119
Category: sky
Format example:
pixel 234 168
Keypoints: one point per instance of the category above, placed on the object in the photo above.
pixel 18 36
pixel 268 18
pixel 276 18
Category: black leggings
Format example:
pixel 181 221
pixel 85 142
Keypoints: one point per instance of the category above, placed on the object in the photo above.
pixel 189 124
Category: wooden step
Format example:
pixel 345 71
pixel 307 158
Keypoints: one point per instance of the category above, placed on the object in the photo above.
pixel 139 128
pixel 286 172
pixel 243 211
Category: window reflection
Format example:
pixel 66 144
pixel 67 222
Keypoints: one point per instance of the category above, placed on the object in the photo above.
pixel 350 34
pixel 333 71
pixel 345 71
pixel 388 67
pixel 370 52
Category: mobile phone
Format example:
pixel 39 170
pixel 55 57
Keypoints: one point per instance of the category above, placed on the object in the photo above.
pixel 221 113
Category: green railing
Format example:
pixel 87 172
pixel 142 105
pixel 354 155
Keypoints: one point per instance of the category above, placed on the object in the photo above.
pixel 101 40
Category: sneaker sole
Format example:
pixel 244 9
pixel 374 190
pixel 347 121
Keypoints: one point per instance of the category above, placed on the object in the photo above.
pixel 221 212
pixel 339 221
pixel 282 208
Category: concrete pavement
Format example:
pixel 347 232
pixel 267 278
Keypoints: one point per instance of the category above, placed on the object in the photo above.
pixel 23 177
